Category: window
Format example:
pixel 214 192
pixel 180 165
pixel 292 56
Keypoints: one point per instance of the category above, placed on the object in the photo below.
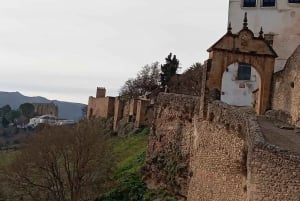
pixel 244 72
pixel 294 1
pixel 249 3
pixel 268 3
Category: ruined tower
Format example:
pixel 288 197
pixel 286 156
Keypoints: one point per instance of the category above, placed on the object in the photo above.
pixel 101 91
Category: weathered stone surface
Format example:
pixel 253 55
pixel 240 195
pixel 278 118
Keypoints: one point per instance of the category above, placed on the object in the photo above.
pixel 221 156
pixel 286 87
pixel 167 163
pixel 45 108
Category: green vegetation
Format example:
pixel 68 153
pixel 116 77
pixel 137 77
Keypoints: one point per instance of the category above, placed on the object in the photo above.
pixel 118 164
pixel 169 69
pixel 27 109
pixel 146 81
pixel 130 155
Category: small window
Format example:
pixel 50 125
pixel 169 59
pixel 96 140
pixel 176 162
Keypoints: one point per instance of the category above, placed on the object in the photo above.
pixel 244 72
pixel 294 1
pixel 268 3
pixel 249 3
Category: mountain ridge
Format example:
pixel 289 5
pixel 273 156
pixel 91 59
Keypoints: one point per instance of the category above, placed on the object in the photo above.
pixel 66 110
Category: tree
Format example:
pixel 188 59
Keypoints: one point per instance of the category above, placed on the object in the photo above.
pixel 13 115
pixel 189 82
pixel 4 122
pixel 62 164
pixel 169 69
pixel 27 109
pixel 4 110
pixel 146 81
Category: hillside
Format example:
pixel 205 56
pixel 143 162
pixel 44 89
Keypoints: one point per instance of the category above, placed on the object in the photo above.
pixel 66 110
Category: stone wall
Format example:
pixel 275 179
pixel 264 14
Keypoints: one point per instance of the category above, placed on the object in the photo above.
pixel 45 108
pixel 136 112
pixel 221 156
pixel 286 87
pixel 144 113
pixel 100 107
pixel 167 161
pixel 273 174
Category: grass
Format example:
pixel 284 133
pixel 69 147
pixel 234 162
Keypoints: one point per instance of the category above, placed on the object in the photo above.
pixel 130 153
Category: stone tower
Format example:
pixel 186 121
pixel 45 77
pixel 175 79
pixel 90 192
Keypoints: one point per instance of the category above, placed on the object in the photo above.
pixel 100 92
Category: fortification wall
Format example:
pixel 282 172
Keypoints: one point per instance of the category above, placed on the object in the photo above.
pixel 286 87
pixel 219 156
pixel 168 155
pixel 273 174
pixel 100 107
pixel 222 156
pixel 144 113
pixel 45 108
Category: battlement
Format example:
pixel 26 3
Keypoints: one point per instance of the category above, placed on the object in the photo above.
pixel 101 92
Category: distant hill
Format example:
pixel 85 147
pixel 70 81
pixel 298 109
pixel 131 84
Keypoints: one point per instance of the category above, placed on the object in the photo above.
pixel 66 110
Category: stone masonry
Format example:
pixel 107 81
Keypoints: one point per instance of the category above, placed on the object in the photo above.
pixel 286 87
pixel 222 156
pixel 45 108
pixel 100 106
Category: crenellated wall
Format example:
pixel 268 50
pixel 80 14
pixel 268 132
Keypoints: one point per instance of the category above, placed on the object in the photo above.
pixel 219 155
pixel 222 156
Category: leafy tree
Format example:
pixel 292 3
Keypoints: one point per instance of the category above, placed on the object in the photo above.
pixel 4 110
pixel 27 109
pixel 169 69
pixel 62 164
pixel 12 115
pixel 189 82
pixel 146 81
pixel 4 122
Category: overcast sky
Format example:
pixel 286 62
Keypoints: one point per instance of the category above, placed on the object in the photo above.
pixel 64 49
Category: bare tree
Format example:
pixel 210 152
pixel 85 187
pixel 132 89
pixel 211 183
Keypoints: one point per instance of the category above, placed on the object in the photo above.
pixel 62 164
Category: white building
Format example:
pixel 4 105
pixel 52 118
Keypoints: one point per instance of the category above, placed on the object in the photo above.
pixel 280 20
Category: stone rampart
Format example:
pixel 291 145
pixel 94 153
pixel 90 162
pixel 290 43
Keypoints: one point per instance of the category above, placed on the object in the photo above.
pixel 168 155
pixel 45 108
pixel 100 107
pixel 220 156
pixel 286 86
pixel 273 174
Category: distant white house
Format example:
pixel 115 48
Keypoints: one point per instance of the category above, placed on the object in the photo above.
pixel 49 120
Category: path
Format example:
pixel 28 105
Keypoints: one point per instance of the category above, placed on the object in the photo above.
pixel 284 138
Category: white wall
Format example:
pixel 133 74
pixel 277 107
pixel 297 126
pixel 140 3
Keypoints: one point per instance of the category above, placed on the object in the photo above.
pixel 283 21
pixel 232 92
